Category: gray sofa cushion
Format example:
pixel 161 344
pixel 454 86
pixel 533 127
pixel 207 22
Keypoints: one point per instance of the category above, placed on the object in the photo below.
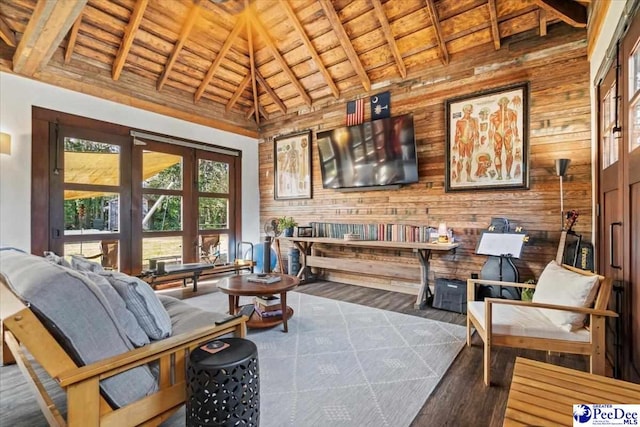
pixel 185 317
pixel 142 301
pixel 78 315
pixel 80 263
pixel 56 259
pixel 127 320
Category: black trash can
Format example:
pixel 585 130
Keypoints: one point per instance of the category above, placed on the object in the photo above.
pixel 223 389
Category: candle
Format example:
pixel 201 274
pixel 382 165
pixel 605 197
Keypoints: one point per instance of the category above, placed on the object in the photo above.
pixel 443 234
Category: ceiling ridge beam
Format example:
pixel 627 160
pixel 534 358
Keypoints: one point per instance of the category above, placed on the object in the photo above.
pixel 495 30
pixel 252 65
pixel 73 36
pixel 345 42
pixel 127 40
pixel 310 47
pixel 47 27
pixel 280 60
pixel 6 34
pixel 435 21
pixel 391 41
pixel 271 92
pixel 184 34
pixel 219 57
pixel 568 11
pixel 238 92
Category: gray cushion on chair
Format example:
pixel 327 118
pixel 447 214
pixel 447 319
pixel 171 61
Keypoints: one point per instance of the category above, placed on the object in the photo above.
pixel 126 318
pixel 142 301
pixel 185 317
pixel 78 315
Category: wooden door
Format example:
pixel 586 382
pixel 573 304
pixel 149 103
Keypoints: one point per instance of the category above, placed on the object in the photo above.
pixel 619 196
pixel 630 153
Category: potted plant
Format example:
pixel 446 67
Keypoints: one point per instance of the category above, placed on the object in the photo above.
pixel 285 226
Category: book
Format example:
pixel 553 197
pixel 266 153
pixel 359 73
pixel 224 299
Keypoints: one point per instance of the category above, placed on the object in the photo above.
pixel 261 307
pixel 264 279
pixel 267 300
pixel 272 313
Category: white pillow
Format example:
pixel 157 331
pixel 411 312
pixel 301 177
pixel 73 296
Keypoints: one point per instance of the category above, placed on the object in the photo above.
pixel 560 286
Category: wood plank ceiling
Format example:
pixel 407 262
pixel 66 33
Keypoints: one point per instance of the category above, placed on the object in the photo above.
pixel 250 62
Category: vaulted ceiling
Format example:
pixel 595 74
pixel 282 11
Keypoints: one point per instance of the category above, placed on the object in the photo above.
pixel 234 64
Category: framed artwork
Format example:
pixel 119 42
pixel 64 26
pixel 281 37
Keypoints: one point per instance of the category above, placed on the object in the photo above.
pixel 292 166
pixel 487 143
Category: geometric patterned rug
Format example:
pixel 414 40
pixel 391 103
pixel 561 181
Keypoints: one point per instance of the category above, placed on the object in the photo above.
pixel 344 364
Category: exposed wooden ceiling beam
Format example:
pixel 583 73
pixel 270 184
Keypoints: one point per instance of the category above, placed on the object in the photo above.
pixel 435 20
pixel 127 39
pixel 49 24
pixel 271 92
pixel 263 112
pixel 73 36
pixel 495 31
pixel 252 65
pixel 279 59
pixel 310 47
pixel 219 57
pixel 184 35
pixel 542 16
pixel 6 34
pixel 241 87
pixel 250 113
pixel 391 41
pixel 569 11
pixel 345 42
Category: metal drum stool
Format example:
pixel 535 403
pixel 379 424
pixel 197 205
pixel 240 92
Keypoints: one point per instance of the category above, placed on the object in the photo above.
pixel 223 389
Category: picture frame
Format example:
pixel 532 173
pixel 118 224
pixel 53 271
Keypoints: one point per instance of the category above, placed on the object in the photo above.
pixel 487 145
pixel 292 166
pixel 305 231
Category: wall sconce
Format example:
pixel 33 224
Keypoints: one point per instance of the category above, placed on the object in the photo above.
pixel 561 170
pixel 5 143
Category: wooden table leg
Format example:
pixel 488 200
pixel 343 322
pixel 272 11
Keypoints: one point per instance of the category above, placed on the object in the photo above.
pixel 233 304
pixel 283 302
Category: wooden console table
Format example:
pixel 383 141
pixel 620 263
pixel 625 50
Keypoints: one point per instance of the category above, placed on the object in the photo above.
pixel 376 268
pixel 542 394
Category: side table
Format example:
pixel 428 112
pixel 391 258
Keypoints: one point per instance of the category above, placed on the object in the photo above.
pixel 223 389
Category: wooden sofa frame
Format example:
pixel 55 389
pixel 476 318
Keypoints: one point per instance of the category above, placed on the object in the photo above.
pixel 22 332
pixel 594 348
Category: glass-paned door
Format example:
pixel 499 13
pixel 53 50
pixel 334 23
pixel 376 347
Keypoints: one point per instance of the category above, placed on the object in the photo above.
pixel 162 204
pixel 216 216
pixel 87 200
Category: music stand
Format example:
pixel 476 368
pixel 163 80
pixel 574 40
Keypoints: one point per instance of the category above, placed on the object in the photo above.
pixel 501 244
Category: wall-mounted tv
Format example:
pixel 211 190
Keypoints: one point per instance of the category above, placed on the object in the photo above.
pixel 377 153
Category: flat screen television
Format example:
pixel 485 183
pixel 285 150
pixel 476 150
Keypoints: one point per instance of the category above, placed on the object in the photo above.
pixel 377 153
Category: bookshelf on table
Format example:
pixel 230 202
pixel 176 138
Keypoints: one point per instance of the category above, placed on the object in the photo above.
pixel 377 268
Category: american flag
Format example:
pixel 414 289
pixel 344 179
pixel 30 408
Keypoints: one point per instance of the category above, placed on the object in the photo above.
pixel 355 112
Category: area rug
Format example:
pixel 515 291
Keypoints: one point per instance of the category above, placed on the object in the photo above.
pixel 343 364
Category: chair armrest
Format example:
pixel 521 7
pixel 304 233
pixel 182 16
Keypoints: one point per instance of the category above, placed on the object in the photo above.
pixel 123 362
pixel 583 310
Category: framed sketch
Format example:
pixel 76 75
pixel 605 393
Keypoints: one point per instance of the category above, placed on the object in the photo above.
pixel 292 166
pixel 487 142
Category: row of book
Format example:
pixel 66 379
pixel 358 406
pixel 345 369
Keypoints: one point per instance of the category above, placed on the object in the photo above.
pixel 380 232
pixel 268 306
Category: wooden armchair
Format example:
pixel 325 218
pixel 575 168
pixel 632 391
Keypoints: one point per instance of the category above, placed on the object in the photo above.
pixel 23 332
pixel 501 322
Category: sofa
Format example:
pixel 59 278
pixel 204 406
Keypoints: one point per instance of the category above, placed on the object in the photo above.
pixel 115 347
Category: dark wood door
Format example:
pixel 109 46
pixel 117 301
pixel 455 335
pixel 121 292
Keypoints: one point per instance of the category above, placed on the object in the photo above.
pixel 630 153
pixel 619 197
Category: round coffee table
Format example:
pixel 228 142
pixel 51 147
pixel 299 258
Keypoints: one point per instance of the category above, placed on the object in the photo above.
pixel 239 285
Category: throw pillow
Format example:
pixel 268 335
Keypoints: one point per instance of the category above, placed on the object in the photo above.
pixel 56 259
pixel 143 303
pixel 80 263
pixel 125 318
pixel 560 286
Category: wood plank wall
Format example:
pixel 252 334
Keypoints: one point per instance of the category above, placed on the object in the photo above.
pixel 557 70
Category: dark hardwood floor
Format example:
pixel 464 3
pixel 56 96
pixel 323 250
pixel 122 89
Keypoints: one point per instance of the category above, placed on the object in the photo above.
pixel 461 399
